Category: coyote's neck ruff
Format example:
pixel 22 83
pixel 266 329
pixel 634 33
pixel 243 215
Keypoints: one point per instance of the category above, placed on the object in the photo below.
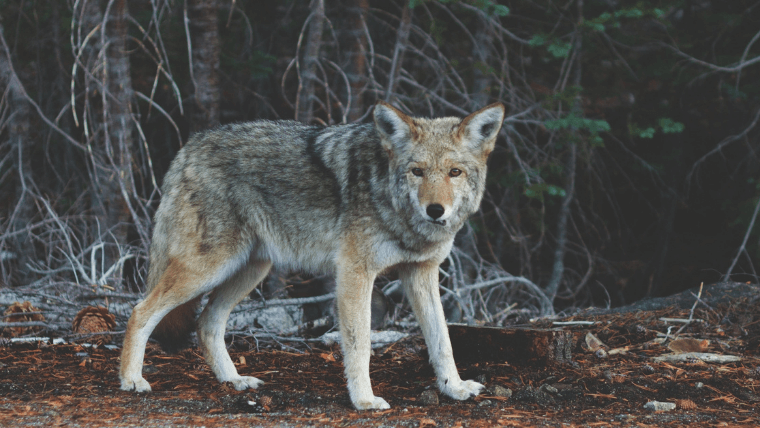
pixel 350 200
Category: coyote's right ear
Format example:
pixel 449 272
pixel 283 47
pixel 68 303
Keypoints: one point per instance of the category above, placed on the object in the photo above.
pixel 395 128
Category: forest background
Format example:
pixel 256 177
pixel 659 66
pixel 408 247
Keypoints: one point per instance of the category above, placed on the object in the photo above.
pixel 627 165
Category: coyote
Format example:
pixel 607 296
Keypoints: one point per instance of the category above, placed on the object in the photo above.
pixel 349 200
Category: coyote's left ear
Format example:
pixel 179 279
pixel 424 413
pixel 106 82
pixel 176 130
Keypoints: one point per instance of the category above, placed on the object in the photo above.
pixel 478 131
pixel 395 128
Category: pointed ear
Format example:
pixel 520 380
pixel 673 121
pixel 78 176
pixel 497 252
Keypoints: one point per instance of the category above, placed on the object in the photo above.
pixel 395 128
pixel 478 131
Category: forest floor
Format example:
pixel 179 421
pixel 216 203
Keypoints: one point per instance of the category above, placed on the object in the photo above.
pixel 75 385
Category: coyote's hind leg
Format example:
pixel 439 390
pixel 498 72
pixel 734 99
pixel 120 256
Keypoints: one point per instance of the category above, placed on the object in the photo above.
pixel 180 282
pixel 144 318
pixel 213 320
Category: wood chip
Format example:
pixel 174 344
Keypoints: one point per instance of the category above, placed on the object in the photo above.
pixel 593 342
pixel 659 406
pixel 427 422
pixel 680 346
pixel 616 351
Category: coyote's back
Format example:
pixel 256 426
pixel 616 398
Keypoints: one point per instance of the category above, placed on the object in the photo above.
pixel 349 200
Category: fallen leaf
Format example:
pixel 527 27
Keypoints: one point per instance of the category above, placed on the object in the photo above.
pixel 327 357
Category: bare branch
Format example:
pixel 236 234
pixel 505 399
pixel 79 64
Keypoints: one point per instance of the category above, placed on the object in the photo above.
pixel 402 38
pixel 743 63
pixel 743 247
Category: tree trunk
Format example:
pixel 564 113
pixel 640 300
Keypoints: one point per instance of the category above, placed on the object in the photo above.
pixel 107 60
pixel 402 39
pixel 20 143
pixel 119 120
pixel 481 52
pixel 357 57
pixel 91 119
pixel 308 70
pixel 558 269
pixel 205 49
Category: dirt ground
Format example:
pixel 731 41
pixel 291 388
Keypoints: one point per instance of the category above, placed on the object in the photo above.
pixel 75 385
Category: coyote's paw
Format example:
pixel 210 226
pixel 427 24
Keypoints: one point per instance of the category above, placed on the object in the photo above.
pixel 245 382
pixel 462 390
pixel 138 385
pixel 375 403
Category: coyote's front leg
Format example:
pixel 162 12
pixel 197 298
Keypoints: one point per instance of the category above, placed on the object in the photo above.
pixel 353 293
pixel 421 286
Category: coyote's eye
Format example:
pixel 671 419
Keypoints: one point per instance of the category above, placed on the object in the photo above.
pixel 418 172
pixel 455 172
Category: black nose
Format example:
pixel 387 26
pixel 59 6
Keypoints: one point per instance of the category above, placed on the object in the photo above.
pixel 435 211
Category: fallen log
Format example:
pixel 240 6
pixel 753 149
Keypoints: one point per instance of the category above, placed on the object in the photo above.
pixel 517 346
pixel 713 295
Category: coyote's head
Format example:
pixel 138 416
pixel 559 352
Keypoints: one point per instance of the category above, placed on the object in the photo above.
pixel 437 166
